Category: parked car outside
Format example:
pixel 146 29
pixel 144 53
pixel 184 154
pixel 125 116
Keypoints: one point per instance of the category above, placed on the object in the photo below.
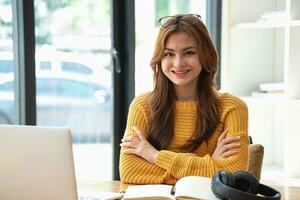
pixel 80 101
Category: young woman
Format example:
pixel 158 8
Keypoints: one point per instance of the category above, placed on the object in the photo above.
pixel 184 126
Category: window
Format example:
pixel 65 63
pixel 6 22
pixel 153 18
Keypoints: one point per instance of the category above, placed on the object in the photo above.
pixel 75 67
pixel 6 66
pixel 45 65
pixel 73 78
pixel 7 87
pixel 7 105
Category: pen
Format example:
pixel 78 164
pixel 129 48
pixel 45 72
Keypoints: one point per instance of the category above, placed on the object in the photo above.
pixel 173 190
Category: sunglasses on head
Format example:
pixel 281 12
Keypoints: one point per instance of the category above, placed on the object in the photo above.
pixel 176 19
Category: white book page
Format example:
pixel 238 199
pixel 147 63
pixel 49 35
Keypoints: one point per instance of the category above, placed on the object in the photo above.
pixel 86 194
pixel 196 187
pixel 149 192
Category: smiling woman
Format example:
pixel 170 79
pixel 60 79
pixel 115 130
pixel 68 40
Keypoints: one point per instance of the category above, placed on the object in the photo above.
pixel 183 126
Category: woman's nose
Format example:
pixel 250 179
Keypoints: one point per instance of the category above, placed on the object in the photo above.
pixel 179 61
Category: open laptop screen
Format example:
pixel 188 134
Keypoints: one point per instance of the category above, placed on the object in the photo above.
pixel 36 163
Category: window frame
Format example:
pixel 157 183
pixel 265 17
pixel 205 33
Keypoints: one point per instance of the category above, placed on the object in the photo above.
pixel 24 61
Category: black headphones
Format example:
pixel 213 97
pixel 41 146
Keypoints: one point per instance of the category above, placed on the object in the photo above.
pixel 241 185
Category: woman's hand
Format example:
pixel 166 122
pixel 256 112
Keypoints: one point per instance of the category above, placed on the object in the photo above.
pixel 139 146
pixel 226 146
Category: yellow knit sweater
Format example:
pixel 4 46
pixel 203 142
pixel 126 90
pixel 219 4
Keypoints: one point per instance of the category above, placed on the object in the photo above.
pixel 172 165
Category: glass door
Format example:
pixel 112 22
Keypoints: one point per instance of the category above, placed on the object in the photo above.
pixel 73 78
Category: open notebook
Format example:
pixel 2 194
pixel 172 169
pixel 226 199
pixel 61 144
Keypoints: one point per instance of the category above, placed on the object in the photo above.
pixel 37 163
pixel 189 187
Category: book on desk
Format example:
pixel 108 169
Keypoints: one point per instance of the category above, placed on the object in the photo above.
pixel 189 187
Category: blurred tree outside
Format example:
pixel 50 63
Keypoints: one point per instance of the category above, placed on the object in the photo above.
pixel 58 18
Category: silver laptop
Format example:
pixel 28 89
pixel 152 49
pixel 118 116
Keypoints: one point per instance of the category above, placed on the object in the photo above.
pixel 36 163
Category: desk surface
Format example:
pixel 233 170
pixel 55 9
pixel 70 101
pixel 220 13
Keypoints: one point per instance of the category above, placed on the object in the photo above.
pixel 102 186
pixel 287 192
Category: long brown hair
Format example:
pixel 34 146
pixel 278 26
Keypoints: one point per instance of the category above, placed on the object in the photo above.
pixel 163 97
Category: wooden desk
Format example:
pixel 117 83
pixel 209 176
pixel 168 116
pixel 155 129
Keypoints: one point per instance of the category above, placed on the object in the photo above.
pixel 287 193
pixel 102 186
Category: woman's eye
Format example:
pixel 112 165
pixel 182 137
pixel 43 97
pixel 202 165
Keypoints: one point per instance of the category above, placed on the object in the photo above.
pixel 168 54
pixel 190 53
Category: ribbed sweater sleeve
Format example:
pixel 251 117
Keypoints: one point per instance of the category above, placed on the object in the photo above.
pixel 134 169
pixel 234 116
pixel 171 164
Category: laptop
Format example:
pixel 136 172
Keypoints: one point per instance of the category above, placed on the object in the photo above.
pixel 36 163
